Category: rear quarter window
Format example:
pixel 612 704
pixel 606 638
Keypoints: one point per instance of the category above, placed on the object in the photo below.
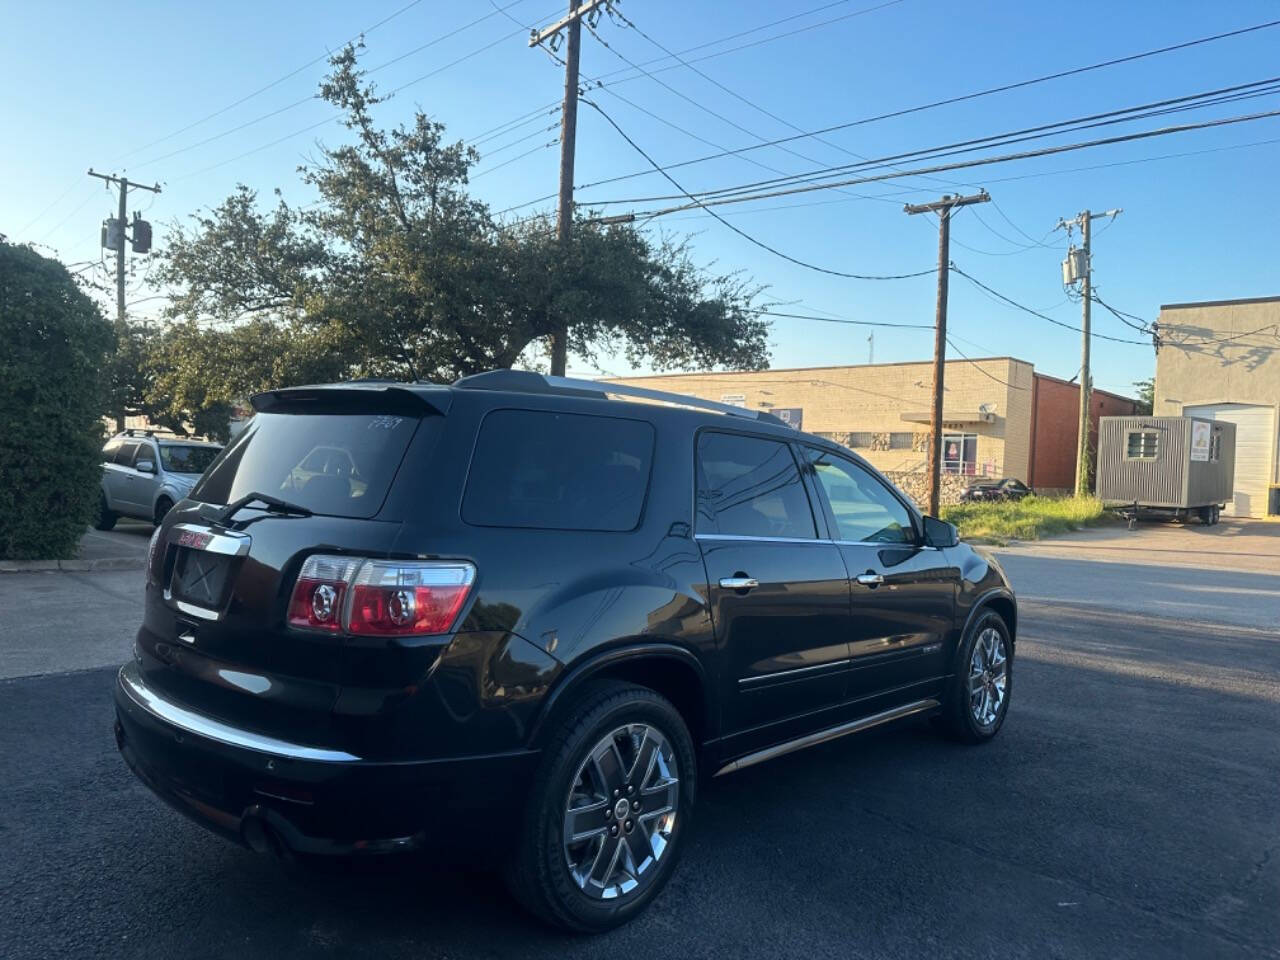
pixel 558 471
pixel 339 465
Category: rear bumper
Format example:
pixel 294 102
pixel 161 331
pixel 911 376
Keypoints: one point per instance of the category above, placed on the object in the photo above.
pixel 261 791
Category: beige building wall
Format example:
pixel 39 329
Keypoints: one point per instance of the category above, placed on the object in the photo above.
pixel 1221 353
pixel 1243 369
pixel 882 410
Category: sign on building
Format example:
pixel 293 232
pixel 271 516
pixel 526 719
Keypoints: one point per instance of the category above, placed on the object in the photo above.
pixel 734 399
pixel 791 416
pixel 1201 438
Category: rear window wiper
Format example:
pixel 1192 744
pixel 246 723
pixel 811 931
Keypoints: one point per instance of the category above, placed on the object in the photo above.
pixel 270 504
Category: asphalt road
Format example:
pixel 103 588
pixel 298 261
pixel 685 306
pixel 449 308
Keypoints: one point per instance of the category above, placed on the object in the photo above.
pixel 1128 808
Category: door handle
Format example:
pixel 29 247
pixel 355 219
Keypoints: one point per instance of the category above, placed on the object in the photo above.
pixel 739 583
pixel 870 579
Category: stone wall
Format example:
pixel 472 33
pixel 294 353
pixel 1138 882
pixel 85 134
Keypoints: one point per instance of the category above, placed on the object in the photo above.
pixel 916 486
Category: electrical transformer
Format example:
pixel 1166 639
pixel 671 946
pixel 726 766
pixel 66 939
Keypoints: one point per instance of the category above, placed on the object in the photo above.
pixel 112 234
pixel 141 235
pixel 1074 266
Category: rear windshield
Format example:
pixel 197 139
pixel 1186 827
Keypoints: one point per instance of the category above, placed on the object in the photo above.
pixel 186 459
pixel 336 464
pixel 558 471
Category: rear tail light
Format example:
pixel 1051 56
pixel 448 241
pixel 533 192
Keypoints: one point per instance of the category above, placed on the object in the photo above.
pixel 381 598
pixel 320 593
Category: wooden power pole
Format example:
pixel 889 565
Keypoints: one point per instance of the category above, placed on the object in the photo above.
pixel 1083 221
pixel 568 138
pixel 943 209
pixel 120 239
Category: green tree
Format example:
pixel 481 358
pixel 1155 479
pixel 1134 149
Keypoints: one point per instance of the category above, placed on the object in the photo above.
pixel 398 271
pixel 53 395
pixel 1146 395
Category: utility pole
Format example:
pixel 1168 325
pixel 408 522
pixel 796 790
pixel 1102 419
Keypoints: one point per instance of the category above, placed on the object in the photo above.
pixel 1085 276
pixel 871 348
pixel 141 242
pixel 943 209
pixel 123 218
pixel 568 138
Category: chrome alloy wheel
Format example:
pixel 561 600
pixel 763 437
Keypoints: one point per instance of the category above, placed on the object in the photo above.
pixel 988 676
pixel 621 811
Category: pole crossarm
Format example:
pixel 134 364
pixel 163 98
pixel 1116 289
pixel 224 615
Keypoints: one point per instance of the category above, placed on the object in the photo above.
pixel 539 36
pixel 946 203
pixel 124 181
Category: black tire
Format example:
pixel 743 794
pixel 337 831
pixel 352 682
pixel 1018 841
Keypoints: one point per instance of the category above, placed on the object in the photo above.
pixel 957 718
pixel 1206 516
pixel 1217 512
pixel 539 875
pixel 105 519
pixel 163 506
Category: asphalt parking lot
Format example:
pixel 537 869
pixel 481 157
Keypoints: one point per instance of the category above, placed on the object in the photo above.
pixel 1129 808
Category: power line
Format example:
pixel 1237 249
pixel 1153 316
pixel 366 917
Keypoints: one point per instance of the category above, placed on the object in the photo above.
pixel 737 96
pixel 965 164
pixel 313 97
pixel 1126 318
pixel 977 366
pixel 742 233
pixel 1193 101
pixel 1036 313
pixel 273 83
pixel 989 91
pixel 855 323
pixel 518 156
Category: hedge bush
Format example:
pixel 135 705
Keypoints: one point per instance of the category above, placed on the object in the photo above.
pixel 54 350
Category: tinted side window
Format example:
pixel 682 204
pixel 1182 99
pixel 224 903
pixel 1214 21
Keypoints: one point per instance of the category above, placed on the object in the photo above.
pixel 125 452
pixel 864 508
pixel 109 451
pixel 558 471
pixel 145 451
pixel 750 487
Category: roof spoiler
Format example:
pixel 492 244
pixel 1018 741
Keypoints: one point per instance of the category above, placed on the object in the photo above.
pixel 360 396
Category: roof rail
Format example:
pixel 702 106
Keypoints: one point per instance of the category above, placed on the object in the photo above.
pixel 525 381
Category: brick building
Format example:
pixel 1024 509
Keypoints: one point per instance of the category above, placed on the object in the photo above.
pixel 1000 418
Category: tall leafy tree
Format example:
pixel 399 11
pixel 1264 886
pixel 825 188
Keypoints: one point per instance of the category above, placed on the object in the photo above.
pixel 399 271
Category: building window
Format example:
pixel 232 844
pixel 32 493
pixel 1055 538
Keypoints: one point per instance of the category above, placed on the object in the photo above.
pixel 1142 445
pixel 861 440
pixel 900 441
pixel 960 453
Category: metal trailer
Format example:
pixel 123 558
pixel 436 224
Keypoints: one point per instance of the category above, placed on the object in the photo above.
pixel 1176 467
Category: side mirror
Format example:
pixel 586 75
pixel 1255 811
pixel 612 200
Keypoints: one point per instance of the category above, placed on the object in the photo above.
pixel 939 533
pixel 145 466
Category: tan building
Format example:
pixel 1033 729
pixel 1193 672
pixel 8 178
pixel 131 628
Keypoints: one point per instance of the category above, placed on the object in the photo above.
pixel 1221 359
pixel 995 423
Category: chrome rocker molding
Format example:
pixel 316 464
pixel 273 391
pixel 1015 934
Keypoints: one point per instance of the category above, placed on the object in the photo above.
pixel 822 736
pixel 202 726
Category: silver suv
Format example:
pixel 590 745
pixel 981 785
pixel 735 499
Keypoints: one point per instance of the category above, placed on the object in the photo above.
pixel 143 475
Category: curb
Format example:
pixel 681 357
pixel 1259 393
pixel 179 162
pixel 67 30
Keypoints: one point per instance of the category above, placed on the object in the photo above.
pixel 72 566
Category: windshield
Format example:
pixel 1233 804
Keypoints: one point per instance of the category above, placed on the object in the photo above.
pixel 336 464
pixel 187 459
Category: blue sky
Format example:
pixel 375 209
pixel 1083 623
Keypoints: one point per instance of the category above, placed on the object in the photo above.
pixel 1194 227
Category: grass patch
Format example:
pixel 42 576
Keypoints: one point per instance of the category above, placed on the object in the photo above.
pixel 1027 519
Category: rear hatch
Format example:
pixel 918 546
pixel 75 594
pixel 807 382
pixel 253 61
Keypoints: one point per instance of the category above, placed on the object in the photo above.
pixel 312 475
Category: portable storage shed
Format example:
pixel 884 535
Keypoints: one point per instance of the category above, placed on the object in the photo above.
pixel 1166 464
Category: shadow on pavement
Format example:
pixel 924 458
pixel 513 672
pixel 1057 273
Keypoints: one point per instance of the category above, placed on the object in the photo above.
pixel 1117 814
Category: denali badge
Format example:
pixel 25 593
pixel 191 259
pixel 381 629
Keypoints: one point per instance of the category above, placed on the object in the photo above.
pixel 194 539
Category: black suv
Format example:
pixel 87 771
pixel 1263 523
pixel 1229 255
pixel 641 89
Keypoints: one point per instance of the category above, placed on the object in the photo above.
pixel 518 613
